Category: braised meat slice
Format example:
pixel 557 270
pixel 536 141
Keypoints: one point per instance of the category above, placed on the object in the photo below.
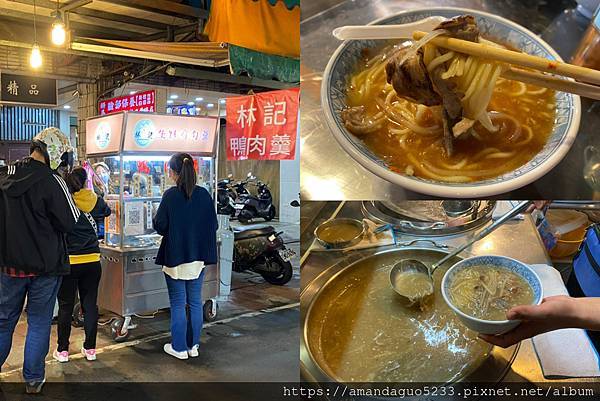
pixel 411 80
pixel 356 121
pixel 461 27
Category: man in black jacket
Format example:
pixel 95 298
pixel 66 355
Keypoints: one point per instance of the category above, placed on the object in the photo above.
pixel 36 211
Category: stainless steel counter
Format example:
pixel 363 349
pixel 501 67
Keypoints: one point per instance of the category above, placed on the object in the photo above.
pixel 518 239
pixel 328 173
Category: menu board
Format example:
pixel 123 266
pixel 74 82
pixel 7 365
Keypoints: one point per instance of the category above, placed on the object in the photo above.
pixel 111 223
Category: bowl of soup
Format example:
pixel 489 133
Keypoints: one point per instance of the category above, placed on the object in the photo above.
pixel 403 141
pixel 340 233
pixel 481 289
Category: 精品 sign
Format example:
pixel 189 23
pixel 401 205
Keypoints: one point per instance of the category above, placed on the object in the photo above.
pixel 141 101
pixel 263 126
pixel 27 90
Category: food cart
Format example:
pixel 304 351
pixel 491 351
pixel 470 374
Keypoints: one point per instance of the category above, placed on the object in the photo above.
pixel 128 154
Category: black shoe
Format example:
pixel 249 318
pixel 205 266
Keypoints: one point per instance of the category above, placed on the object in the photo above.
pixel 34 387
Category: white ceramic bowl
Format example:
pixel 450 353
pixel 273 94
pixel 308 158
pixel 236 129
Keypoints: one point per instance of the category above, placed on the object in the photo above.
pixel 491 326
pixel 344 61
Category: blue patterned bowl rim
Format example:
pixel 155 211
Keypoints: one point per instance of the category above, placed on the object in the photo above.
pixel 568 108
pixel 504 262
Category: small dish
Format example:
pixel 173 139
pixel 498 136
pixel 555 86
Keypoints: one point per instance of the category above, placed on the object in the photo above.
pixel 341 244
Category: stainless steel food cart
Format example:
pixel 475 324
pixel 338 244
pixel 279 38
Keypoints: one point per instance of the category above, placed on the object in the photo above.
pixel 128 155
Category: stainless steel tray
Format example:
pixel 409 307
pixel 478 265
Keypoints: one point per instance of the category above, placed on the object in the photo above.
pixel 427 218
pixel 492 369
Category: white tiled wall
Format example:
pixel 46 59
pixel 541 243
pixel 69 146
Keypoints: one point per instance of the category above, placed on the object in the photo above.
pixel 289 177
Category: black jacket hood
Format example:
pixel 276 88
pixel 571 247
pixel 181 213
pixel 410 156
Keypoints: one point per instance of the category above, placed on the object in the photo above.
pixel 16 179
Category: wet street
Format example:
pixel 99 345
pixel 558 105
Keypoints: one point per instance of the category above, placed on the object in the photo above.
pixel 254 339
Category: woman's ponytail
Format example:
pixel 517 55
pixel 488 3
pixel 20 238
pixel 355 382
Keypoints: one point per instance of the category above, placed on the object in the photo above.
pixel 183 165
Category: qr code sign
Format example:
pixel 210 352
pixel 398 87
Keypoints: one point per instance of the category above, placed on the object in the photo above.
pixel 135 217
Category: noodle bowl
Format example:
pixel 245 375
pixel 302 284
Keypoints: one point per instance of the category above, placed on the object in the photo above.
pixel 533 128
pixel 512 120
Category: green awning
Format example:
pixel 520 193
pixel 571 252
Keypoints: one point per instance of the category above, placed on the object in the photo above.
pixel 262 65
pixel 288 3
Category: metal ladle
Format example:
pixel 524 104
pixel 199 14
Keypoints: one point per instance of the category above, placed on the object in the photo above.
pixel 413 266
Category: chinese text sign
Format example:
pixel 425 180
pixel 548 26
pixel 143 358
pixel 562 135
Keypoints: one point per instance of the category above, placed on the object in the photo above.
pixel 141 101
pixel 25 89
pixel 263 126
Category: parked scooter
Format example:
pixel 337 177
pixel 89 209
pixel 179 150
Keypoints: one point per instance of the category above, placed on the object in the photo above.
pixel 248 206
pixel 226 196
pixel 261 249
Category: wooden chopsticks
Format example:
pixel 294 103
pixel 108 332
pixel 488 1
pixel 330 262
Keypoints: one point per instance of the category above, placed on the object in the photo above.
pixel 526 60
pixel 551 82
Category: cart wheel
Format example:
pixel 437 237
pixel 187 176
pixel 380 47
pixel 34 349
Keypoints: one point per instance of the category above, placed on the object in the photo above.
pixel 119 333
pixel 77 316
pixel 210 314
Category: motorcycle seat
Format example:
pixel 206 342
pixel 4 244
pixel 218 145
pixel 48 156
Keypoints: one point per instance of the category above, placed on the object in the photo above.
pixel 252 231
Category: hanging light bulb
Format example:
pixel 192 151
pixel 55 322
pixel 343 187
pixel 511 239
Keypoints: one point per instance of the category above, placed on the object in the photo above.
pixel 59 34
pixel 35 60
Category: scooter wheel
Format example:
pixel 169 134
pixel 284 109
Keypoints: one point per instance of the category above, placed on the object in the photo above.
pixel 118 332
pixel 284 275
pixel 209 314
pixel 271 214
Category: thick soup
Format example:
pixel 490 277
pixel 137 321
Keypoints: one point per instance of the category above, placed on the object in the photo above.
pixel 415 286
pixel 359 330
pixel 339 232
pixel 488 292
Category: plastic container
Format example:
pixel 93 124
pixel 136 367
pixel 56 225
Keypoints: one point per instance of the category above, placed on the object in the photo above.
pixel 570 227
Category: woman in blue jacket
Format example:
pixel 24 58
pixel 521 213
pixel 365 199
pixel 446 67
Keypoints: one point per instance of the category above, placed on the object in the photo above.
pixel 187 220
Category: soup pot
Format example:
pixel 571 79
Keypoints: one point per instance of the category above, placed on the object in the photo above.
pixel 484 364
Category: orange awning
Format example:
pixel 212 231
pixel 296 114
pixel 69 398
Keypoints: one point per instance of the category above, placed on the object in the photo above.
pixel 256 25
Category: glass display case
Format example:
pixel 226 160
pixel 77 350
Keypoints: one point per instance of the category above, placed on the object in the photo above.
pixel 127 156
pixel 142 180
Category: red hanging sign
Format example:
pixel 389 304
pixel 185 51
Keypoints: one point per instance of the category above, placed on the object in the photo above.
pixel 140 101
pixel 263 126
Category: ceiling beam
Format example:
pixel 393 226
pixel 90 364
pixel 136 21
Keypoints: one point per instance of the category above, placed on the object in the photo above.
pixel 72 5
pixel 118 51
pixel 88 12
pixel 22 45
pixel 164 7
pixel 191 73
pixel 77 26
pixel 176 31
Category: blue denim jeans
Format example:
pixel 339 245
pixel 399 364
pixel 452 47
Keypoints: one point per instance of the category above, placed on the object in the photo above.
pixel 185 332
pixel 41 297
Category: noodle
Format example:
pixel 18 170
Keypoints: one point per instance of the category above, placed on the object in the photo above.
pixel 409 136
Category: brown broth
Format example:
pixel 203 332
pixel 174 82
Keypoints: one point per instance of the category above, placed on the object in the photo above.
pixel 339 232
pixel 536 111
pixel 360 330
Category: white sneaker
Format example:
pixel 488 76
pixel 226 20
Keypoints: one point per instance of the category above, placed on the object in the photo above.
pixel 90 354
pixel 193 353
pixel 168 348
pixel 61 357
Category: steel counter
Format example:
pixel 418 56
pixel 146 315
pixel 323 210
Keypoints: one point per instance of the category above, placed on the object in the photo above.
pixel 518 239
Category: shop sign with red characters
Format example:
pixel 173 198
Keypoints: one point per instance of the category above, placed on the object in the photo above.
pixel 263 126
pixel 140 101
